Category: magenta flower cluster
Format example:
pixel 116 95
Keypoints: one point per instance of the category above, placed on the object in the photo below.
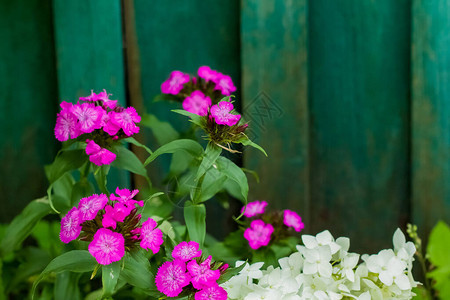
pixel 196 100
pixel 96 118
pixel 187 271
pixel 111 225
pixel 259 233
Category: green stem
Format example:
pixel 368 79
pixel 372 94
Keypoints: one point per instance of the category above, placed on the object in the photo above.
pixel 427 283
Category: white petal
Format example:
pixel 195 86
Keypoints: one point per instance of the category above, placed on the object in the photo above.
pixel 344 242
pixel 334 247
pixel 386 278
pixel 290 285
pixel 284 263
pixel 309 241
pixel 310 268
pixel 402 282
pixel 385 255
pixel 325 269
pixel 396 266
pixel 350 275
pixel 311 255
pixel 364 296
pixel 398 239
pixel 324 237
pixel 325 253
pixel 351 260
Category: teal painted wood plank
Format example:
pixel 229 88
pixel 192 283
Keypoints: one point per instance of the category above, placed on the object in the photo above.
pixel 430 113
pixel 274 78
pixel 28 100
pixel 359 111
pixel 89 54
pixel 184 35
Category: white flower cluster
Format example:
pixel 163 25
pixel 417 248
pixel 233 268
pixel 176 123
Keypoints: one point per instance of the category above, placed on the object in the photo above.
pixel 323 269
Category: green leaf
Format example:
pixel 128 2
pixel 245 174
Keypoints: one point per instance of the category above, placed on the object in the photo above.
pixel 133 141
pixel 127 160
pixel 180 162
pixel 101 177
pixel 66 161
pixel 439 245
pixel 74 261
pixel 248 142
pixel 233 172
pixel 195 218
pixel 63 188
pixel 81 189
pixel 136 272
pixel 212 152
pixel 186 145
pixel 23 224
pixel 196 119
pixel 46 235
pixel 33 261
pixel 2 289
pixel 110 275
pixel 230 272
pixel 66 286
pixel 212 184
pixel 163 131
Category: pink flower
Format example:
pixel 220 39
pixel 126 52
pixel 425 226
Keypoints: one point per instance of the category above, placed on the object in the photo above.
pixel 197 103
pixel 126 120
pixel 171 278
pixel 125 196
pixel 186 251
pixel 115 214
pixel 254 208
pixel 98 155
pixel 224 84
pixel 175 83
pixel 207 74
pixel 89 206
pixel 107 246
pixel 70 226
pixel 66 123
pixel 201 274
pixel 103 97
pixel 258 234
pixel 292 219
pixel 109 126
pixel 222 115
pixel 214 292
pixel 151 237
pixel 89 116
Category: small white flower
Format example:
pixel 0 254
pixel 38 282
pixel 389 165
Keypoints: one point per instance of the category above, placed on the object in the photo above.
pixel 347 264
pixel 252 271
pixel 318 261
pixel 321 239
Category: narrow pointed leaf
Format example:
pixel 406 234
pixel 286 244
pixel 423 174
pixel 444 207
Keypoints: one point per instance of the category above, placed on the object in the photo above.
pixel 110 275
pixel 22 225
pixel 195 218
pixel 212 152
pixel 73 261
pixel 186 145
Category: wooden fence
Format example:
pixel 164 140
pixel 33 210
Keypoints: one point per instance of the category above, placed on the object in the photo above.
pixel 350 98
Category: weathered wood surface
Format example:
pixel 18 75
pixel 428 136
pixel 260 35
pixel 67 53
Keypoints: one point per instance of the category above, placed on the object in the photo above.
pixel 89 54
pixel 430 124
pixel 184 35
pixel 274 86
pixel 27 102
pixel 359 110
pixel 349 98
